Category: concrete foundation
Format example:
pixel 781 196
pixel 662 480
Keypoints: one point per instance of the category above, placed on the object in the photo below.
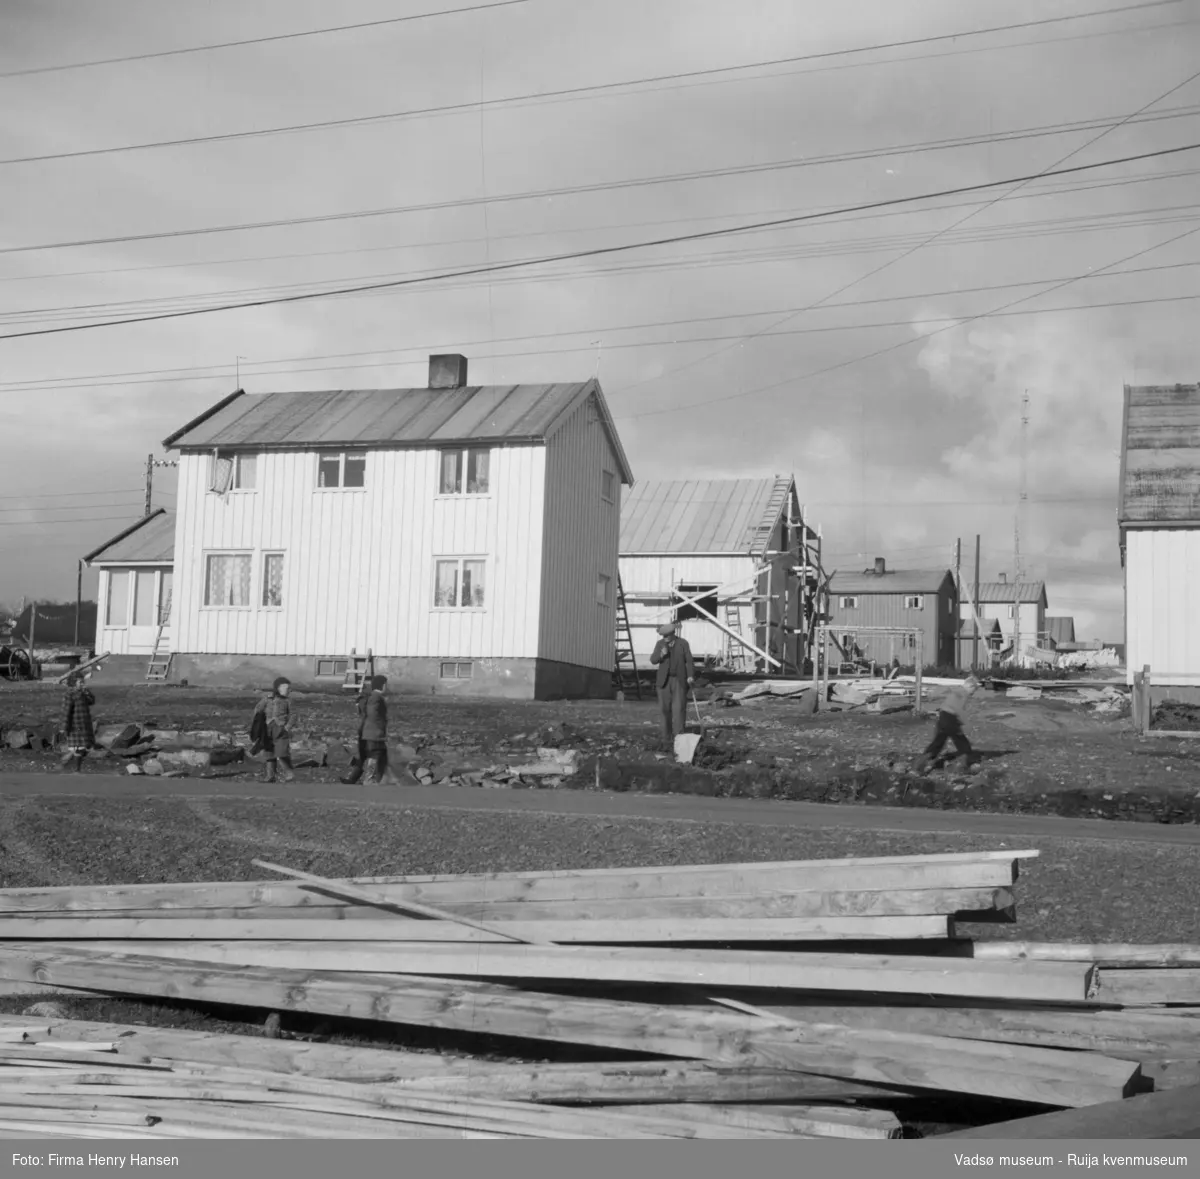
pixel 513 679
pixel 121 671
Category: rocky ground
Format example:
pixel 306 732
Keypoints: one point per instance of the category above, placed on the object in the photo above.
pixel 1041 751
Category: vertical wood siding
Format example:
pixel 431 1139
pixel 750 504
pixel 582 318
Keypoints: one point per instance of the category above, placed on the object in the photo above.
pixel 580 535
pixel 359 564
pixel 1162 569
pixel 934 620
pixel 122 640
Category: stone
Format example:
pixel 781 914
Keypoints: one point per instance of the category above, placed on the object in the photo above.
pixel 117 736
pixel 18 739
pixel 174 759
pixel 133 768
pixel 338 755
pixel 152 766
pixel 686 745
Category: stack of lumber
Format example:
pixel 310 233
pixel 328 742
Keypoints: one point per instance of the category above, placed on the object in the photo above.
pixel 802 999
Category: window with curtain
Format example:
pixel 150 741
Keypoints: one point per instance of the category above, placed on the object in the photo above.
pixel 117 610
pixel 465 472
pixel 227 579
pixel 459 583
pixel 273 580
pixel 451 475
pixel 445 591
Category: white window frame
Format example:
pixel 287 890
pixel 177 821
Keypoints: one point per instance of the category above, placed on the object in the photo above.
pixel 914 602
pixel 124 624
pixel 604 583
pixel 848 602
pixel 335 660
pixel 608 486
pixel 208 553
pixel 457 665
pixel 1012 611
pixel 237 477
pixel 462 560
pixel 342 456
pixel 267 554
pixel 464 454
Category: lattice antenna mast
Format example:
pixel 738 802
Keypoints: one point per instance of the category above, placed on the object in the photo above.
pixel 1021 524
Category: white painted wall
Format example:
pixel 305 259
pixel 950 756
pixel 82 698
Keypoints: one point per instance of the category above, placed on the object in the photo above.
pixel 658 575
pixel 580 537
pixel 1162 568
pixel 359 563
pixel 1033 618
pixel 124 637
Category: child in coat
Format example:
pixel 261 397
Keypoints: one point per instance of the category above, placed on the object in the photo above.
pixel 277 713
pixel 949 725
pixel 79 735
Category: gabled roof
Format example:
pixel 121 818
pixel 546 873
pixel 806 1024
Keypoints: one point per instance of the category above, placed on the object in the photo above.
pixel 383 418
pixel 894 581
pixel 1060 630
pixel 966 629
pixel 992 593
pixel 709 516
pixel 151 541
pixel 1160 456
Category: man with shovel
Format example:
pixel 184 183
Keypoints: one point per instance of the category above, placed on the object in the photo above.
pixel 675 675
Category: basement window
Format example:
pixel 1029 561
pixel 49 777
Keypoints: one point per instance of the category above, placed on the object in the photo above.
pixel 847 603
pixel 706 599
pixel 332 667
pixel 457 670
pixel 465 472
pixel 914 602
pixel 341 469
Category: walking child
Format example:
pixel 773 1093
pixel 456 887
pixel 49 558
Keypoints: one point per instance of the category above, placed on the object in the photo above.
pixel 79 734
pixel 949 724
pixel 276 729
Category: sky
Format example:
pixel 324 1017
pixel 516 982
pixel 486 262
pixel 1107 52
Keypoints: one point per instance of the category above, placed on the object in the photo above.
pixel 883 355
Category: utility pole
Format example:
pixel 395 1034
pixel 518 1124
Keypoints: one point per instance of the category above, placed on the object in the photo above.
pixel 78 596
pixel 975 600
pixel 1022 498
pixel 151 463
pixel 957 600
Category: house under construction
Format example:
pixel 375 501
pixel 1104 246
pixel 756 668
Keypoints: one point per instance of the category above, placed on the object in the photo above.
pixel 733 561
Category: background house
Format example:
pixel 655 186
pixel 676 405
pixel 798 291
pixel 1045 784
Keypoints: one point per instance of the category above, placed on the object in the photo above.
pixel 740 542
pixel 1011 603
pixel 924 599
pixel 983 652
pixel 465 535
pixel 1159 526
pixel 136 575
pixel 1060 631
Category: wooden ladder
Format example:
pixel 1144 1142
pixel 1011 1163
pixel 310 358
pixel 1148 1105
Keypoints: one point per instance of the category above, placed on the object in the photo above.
pixel 160 661
pixel 359 669
pixel 625 673
pixel 735 653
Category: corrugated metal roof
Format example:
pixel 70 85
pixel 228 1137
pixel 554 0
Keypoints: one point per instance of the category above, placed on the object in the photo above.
pixel 1160 455
pixel 371 418
pixel 151 540
pixel 733 516
pixel 894 581
pixel 999 592
pixel 1060 629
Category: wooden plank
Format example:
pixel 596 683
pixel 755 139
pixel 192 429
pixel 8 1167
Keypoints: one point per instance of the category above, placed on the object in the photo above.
pixel 1014 1072
pixel 828 1121
pixel 374 897
pixel 975 903
pixel 1133 987
pixel 1031 981
pixel 810 876
pixel 1103 955
pixel 611 931
pixel 1172 1072
pixel 1170 1115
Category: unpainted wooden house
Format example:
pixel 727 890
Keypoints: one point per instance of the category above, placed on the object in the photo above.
pixel 900 599
pixel 1158 521
pixel 466 536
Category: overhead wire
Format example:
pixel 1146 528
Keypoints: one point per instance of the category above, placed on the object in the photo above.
pixel 711 73
pixel 599 251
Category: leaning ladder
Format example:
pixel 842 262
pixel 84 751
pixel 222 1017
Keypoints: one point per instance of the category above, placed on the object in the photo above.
pixel 160 661
pixel 625 673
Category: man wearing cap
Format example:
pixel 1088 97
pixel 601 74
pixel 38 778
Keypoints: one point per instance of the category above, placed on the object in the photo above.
pixel 674 677
pixel 949 724
pixel 374 735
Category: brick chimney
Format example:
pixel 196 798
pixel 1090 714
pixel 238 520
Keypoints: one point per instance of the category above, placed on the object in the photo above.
pixel 448 372
pixel 880 565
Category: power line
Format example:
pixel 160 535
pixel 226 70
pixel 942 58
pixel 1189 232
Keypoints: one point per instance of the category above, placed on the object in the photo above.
pixel 370 24
pixel 74 494
pixel 64 523
pixel 571 92
pixel 208 372
pixel 693 176
pixel 598 251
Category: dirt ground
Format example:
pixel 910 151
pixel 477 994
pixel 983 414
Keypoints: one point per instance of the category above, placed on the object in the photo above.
pixel 1035 755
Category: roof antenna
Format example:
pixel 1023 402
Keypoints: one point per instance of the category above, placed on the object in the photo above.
pixel 237 368
pixel 599 345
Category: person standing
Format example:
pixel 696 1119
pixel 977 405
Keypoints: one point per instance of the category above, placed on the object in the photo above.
pixel 374 735
pixel 79 735
pixel 277 741
pixel 360 707
pixel 950 724
pixel 676 672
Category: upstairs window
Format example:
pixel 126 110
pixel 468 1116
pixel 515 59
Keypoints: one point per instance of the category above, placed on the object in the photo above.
pixel 341 469
pixel 465 472
pixel 847 603
pixel 608 486
pixel 245 472
pixel 913 602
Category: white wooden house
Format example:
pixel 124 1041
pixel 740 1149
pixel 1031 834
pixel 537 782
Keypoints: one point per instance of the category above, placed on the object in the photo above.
pixel 1020 609
pixel 741 545
pixel 466 536
pixel 134 596
pixel 1159 525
